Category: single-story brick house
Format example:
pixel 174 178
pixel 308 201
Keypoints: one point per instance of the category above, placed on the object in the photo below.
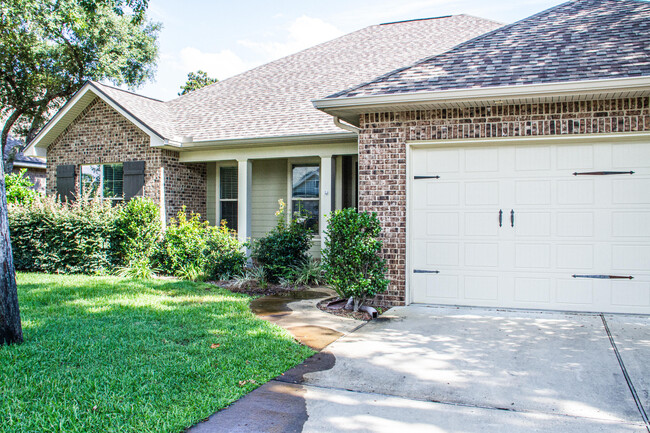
pixel 231 150
pixel 510 168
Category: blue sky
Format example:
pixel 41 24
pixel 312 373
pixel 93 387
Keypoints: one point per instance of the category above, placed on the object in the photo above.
pixel 228 37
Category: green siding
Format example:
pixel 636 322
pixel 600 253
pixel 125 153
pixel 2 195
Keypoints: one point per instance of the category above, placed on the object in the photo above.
pixel 269 185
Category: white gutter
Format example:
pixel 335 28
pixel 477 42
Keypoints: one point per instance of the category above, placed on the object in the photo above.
pixel 29 164
pixel 345 126
pixel 490 93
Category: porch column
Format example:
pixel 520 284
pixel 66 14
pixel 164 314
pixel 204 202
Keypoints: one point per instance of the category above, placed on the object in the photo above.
pixel 327 177
pixel 244 183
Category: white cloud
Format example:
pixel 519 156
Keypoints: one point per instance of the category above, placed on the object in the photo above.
pixel 303 32
pixel 222 64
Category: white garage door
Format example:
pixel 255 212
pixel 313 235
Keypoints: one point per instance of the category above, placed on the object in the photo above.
pixel 563 227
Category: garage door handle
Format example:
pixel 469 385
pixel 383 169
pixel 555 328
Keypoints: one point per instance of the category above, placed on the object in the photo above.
pixel 512 217
pixel 500 217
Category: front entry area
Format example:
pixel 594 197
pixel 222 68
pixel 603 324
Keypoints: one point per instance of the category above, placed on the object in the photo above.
pixel 562 225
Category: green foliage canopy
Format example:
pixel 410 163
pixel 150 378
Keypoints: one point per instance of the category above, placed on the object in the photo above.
pixel 196 80
pixel 50 48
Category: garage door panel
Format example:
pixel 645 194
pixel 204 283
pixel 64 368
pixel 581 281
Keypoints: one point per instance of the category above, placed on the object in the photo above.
pixel 574 157
pixel 631 224
pixel 575 257
pixel 482 160
pixel 441 254
pixel 483 288
pixel 533 192
pixel 532 224
pixel 631 258
pixel 533 290
pixel 445 161
pixel 575 192
pixel 482 193
pixel 532 158
pixel 481 255
pixel 481 223
pixel 438 223
pixel 633 191
pixel 629 156
pixel 575 224
pixel 442 193
pixel 574 291
pixel 630 293
pixel 532 256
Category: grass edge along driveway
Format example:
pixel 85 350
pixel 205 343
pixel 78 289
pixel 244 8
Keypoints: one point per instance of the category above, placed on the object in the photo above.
pixel 120 355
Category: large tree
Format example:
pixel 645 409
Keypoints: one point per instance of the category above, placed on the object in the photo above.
pixel 48 50
pixel 196 80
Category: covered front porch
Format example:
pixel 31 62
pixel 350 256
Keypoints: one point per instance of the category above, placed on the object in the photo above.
pixel 245 185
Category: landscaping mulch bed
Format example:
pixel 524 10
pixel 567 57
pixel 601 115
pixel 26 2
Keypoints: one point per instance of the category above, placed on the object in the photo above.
pixel 359 315
pixel 256 291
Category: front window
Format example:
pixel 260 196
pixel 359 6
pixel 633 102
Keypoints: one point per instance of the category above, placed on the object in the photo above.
pixel 228 196
pixel 305 193
pixel 102 180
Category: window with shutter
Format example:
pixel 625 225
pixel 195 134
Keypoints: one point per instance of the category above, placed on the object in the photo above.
pixel 102 180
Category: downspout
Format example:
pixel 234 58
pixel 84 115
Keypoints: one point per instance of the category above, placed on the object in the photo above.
pixel 345 126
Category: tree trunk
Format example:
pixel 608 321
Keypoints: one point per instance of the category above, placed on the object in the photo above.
pixel 10 328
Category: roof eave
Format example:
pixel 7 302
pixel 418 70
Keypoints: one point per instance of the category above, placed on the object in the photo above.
pixel 350 108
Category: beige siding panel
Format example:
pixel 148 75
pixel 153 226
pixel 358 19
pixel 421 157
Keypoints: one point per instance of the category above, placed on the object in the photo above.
pixel 269 186
pixel 211 190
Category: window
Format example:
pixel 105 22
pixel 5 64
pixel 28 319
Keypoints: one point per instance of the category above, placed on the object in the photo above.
pixel 104 180
pixel 305 193
pixel 228 196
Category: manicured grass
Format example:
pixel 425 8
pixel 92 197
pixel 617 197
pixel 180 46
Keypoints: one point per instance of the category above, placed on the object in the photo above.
pixel 106 354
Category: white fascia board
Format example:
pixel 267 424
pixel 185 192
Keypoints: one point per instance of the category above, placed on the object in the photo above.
pixel 30 164
pixel 491 93
pixel 236 143
pixel 41 142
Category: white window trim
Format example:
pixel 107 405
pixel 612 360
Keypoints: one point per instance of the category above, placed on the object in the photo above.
pixel 101 180
pixel 314 161
pixel 217 190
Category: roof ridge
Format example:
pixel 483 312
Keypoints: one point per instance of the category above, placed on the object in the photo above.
pixel 462 44
pixel 220 82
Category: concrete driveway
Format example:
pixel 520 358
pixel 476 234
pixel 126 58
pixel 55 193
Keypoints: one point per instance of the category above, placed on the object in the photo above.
pixel 434 369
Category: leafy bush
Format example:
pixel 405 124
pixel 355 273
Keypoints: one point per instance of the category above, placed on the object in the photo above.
pixel 19 188
pixel 351 260
pixel 195 250
pixel 283 247
pixel 137 230
pixel 49 236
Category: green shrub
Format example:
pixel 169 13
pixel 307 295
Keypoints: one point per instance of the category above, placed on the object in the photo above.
pixel 351 260
pixel 310 273
pixel 49 236
pixel 193 249
pixel 19 188
pixel 283 247
pixel 137 231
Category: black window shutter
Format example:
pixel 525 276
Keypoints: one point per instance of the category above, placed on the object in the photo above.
pixel 133 179
pixel 65 186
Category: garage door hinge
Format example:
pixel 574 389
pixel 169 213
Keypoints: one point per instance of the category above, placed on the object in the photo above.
pixel 424 271
pixel 426 177
pixel 606 277
pixel 601 173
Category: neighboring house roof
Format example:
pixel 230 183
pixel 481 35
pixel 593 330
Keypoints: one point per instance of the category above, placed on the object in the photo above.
pixel 20 160
pixel 575 41
pixel 274 100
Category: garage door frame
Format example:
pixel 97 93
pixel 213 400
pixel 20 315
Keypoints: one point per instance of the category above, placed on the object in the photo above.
pixel 617 138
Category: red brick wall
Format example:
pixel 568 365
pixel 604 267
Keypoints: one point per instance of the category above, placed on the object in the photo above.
pixel 382 152
pixel 101 135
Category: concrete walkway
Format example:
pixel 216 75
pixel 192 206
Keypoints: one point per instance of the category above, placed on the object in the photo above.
pixel 455 370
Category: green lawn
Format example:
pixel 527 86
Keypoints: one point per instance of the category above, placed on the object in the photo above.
pixel 106 354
